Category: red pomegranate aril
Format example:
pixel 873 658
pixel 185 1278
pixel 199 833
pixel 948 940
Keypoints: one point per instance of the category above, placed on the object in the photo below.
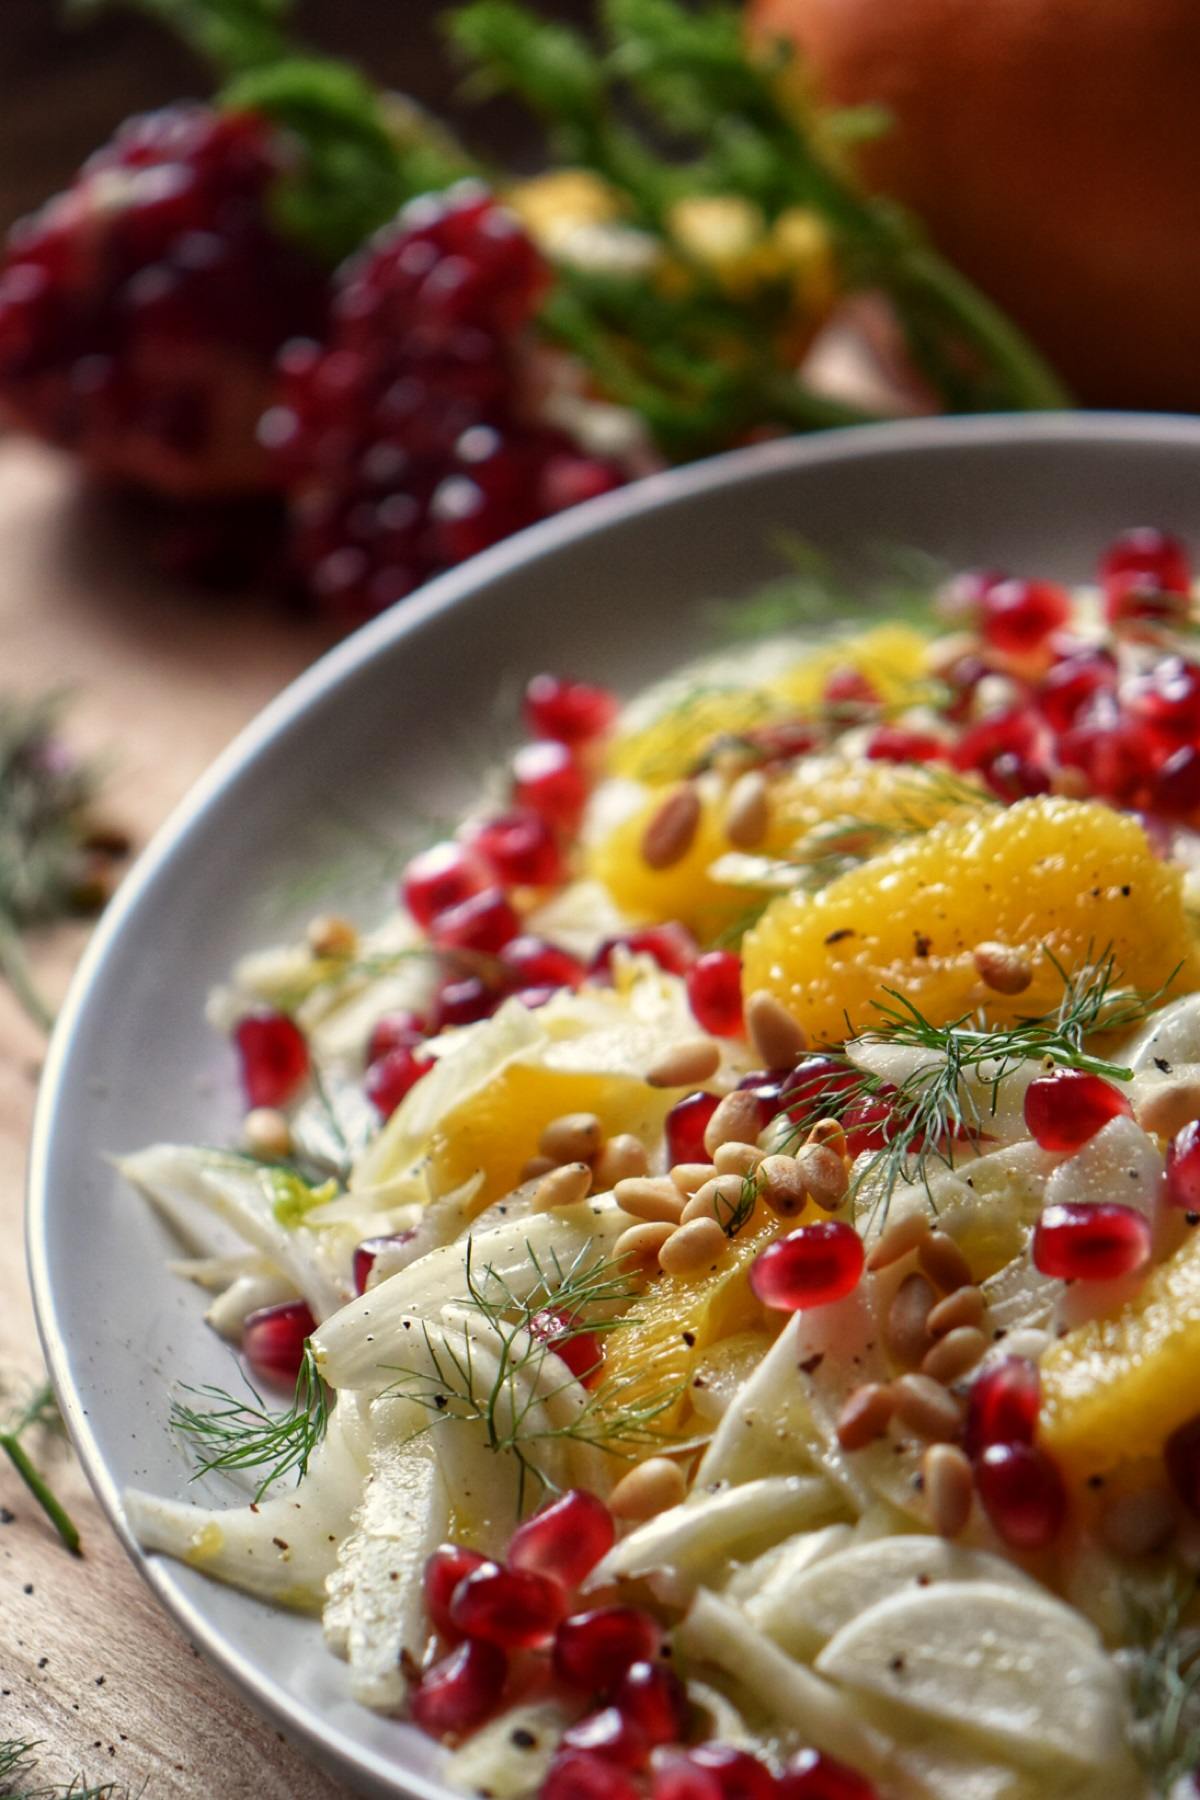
pixel 1014 731
pixel 458 1693
pixel 1095 1242
pixel 1015 777
pixel 814 1776
pixel 1067 1107
pixel 868 1124
pixel 738 1774
pixel 1022 1493
pixel 1017 617
pixel 1147 551
pixel 574 712
pixel 576 1776
pixel 581 1351
pixel 810 1267
pixel 1183 1168
pixel 274 1057
pixel 444 1569
pixel 548 780
pixel 370 1250
pixel 400 1030
pixel 518 1609
pixel 808 1090
pixel 533 997
pixel 1068 686
pixel 521 848
pixel 1002 1404
pixel 652 1696
pixel 714 990
pixel 674 1776
pixel 685 1126
pixel 612 1736
pixel 1117 754
pixel 1132 600
pixel 441 877
pixel 392 1077
pixel 672 946
pixel 899 743
pixel 1182 1455
pixel 463 1002
pixel 535 963
pixel 273 1340
pixel 564 1540
pixel 592 1650
pixel 849 687
pixel 485 922
pixel 1175 788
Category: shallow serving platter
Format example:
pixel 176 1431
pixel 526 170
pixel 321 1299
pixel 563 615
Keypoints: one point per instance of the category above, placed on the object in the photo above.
pixel 399 724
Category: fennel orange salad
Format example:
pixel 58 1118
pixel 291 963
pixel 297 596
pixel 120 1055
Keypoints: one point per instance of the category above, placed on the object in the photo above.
pixel 727 1239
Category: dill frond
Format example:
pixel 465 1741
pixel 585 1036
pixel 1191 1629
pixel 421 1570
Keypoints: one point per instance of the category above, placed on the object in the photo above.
pixel 38 1414
pixel 239 1434
pixel 1164 1687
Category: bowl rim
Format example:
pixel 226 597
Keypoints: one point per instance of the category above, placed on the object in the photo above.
pixel 330 1743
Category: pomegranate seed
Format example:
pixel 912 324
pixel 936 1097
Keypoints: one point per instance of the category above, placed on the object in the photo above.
pixel 961 679
pixel 1022 1494
pixel 807 1090
pixel 594 1649
pixel 458 1693
pixel 565 1540
pixel 444 1569
pixel 897 743
pixel 1175 789
pixel 676 1777
pixel 581 1351
pixel 273 1340
pixel 810 1267
pixel 815 1776
pixel 714 989
pixel 521 848
pixel 515 1608
pixel 1116 754
pixel 849 687
pixel 1183 1168
pixel 533 997
pixel 672 946
pixel 1002 1405
pixel 738 1774
pixel 866 1123
pixel 685 1126
pixel 1133 599
pixel 1067 687
pixel 571 711
pixel 574 1776
pixel 401 1030
pixel 548 780
pixel 463 1002
pixel 274 1057
pixel 1067 1107
pixel 1090 1242
pixel 1182 1453
pixel 536 963
pixel 388 1080
pixel 1014 731
pixel 441 877
pixel 367 1253
pixel 485 922
pixel 610 1735
pixel 1147 551
pixel 1018 616
pixel 652 1696
pixel 1167 701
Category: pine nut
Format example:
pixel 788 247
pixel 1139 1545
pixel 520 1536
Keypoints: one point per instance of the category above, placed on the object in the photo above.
pixel 685 1064
pixel 1168 1107
pixel 735 1120
pixel 697 1245
pixel 1138 1523
pixel 671 830
pixel 1071 783
pixel 830 1133
pixel 781 1184
pixel 644 1241
pixel 622 1156
pixel 948 1488
pixel 944 1262
pixel 906 1328
pixel 823 1174
pixel 331 936
pixel 649 1197
pixel 865 1416
pixel 897 1239
pixel 266 1133
pixel 965 1306
pixel 1003 969
pixel 955 1353
pixel 648 1490
pixel 536 1167
pixel 687 1177
pixel 565 1186
pixel 719 1199
pixel 926 1407
pixel 572 1137
pixel 779 1040
pixel 737 1159
pixel 749 811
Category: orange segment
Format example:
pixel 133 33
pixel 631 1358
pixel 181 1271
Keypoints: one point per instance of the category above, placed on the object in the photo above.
pixel 893 658
pixel 1047 874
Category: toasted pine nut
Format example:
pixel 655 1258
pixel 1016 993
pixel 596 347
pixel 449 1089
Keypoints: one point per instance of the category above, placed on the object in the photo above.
pixel 1071 783
pixel 823 1174
pixel 965 1306
pixel 718 1199
pixel 777 1038
pixel 685 1064
pixel 926 1407
pixel 690 1176
pixel 331 936
pixel 735 1120
pixel 566 1185
pixel 948 1488
pixel 865 1416
pixel 737 1159
pixel 644 1241
pixel 266 1133
pixel 906 1328
pixel 649 1197
pixel 1138 1523
pixel 572 1137
pixel 647 1490
pixel 1003 969
pixel 831 1134
pixel 536 1167
pixel 897 1239
pixel 781 1184
pixel 671 829
pixel 697 1245
pixel 955 1353
pixel 622 1156
pixel 1168 1107
pixel 944 1262
pixel 748 813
